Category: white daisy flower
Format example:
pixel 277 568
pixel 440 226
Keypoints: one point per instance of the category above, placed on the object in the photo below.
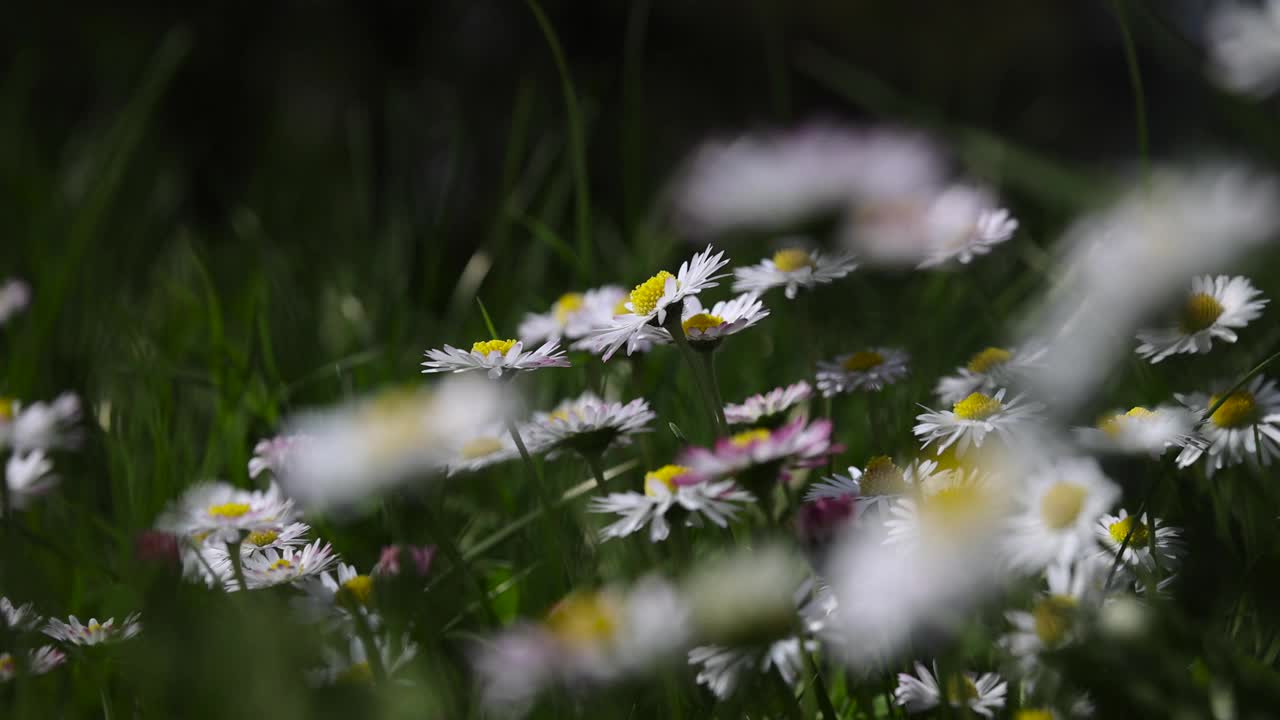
pixel 290 564
pixel 868 370
pixel 798 444
pixel 15 296
pixel 273 454
pixel 329 597
pixel 492 445
pixel 1112 530
pixel 1246 427
pixel 40 425
pixel 39 661
pixel 589 425
pixel 1056 618
pixel 792 268
pixel 1216 308
pixel 970 420
pixel 29 476
pixel 723 669
pixel 94 633
pixel 961 223
pixel 663 492
pixel 573 315
pixel 648 302
pixel 1244 46
pixel 645 339
pixel 876 485
pixel 987 371
pixel 953 502
pixel 224 513
pixel 1143 431
pixel 705 329
pixel 1057 510
pixel 981 694
pixel 769 409
pixel 351 666
pixel 495 357
pixel 21 617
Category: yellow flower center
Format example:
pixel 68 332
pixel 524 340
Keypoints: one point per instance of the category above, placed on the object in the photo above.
pixel 702 321
pixel 7 665
pixel 229 510
pixel 961 689
pixel 977 407
pixel 356 674
pixel 1200 312
pixel 1120 529
pixel 983 361
pixel 481 447
pixel 955 508
pixel 568 304
pixel 583 618
pixel 646 295
pixel 93 627
pixel 281 564
pixel 1112 424
pixel 748 437
pixel 863 360
pixel 1239 410
pixel 1033 714
pixel 1053 616
pixel 8 408
pixel 262 537
pixel 663 476
pixel 358 588
pixel 882 477
pixel 792 259
pixel 484 347
pixel 1061 504
pixel 394 420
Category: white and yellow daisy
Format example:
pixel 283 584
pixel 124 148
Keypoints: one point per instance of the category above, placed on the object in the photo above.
pixel 1215 309
pixel 706 328
pixel 981 694
pixel 93 633
pixel 330 597
pixel 40 425
pixel 723 669
pixel 989 370
pixel 273 454
pixel 495 357
pixel 792 268
pixel 29 476
pixel 648 303
pixel 663 492
pixel 588 425
pixel 39 661
pixel 1058 617
pixel 961 223
pixel 1245 427
pixel 798 444
pixel 1244 46
pixel 18 617
pixel 970 420
pixel 15 296
pixel 1151 545
pixel 351 665
pixel 1143 431
pixel 951 503
pixel 768 409
pixel 492 445
pixel 870 370
pixel 876 485
pixel 223 513
pixel 277 566
pixel 573 315
pixel 1057 509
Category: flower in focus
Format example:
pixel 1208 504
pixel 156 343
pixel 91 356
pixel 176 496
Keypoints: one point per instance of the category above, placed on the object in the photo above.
pixel 1244 46
pixel 94 633
pixel 876 485
pixel 760 457
pixel 15 296
pixel 277 566
pixel 1143 431
pixel 224 513
pixel 989 370
pixel 275 453
pixel 1057 509
pixel 589 425
pixel 40 425
pixel 495 357
pixel 18 617
pixel 971 419
pixel 792 268
pixel 39 661
pixel 981 694
pixel 351 666
pixel 706 328
pixel 1216 308
pixel 648 303
pixel 29 476
pixel 572 316
pixel 868 370
pixel 389 560
pixel 1151 545
pixel 664 492
pixel 1244 427
pixel 769 409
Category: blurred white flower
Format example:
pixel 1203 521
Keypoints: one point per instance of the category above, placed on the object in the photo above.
pixel 747 597
pixel 29 476
pixel 330 597
pixel 723 669
pixel 664 492
pixel 989 370
pixel 93 633
pixel 40 425
pixel 39 661
pixel 768 409
pixel 573 315
pixel 981 694
pixel 492 445
pixel 15 296
pixel 274 454
pixel 1056 618
pixel 792 268
pixel 1143 431
pixel 18 617
pixel 1244 428
pixel 869 370
pixel 1057 508
pixel 1244 46
pixel 1215 309
pixel 876 485
pixel 495 357
pixel 351 666
pixel 929 226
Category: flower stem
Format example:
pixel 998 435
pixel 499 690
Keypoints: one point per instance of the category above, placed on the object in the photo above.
pixel 237 568
pixel 450 549
pixel 593 462
pixel 820 689
pixel 709 366
pixel 672 326
pixel 545 503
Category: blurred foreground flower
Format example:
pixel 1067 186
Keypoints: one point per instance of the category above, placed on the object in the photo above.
pixel 40 425
pixel 15 296
pixel 351 665
pixel 574 315
pixel 38 662
pixel 792 268
pixel 29 476
pixel 1144 431
pixel 1244 46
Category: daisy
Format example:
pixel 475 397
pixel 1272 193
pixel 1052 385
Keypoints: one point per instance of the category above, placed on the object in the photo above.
pixel 274 453
pixel 1246 426
pixel 21 617
pixel 15 296
pixel 949 504
pixel 876 485
pixel 94 633
pixel 798 444
pixel 863 370
pixel 29 476
pixel 589 425
pixel 961 223
pixel 792 268
pixel 981 694
pixel 495 357
pixel 39 661
pixel 987 371
pixel 705 329
pixel 352 665
pixel 769 409
pixel 1141 430
pixel 718 502
pixel 1112 530
pixel 971 419
pixel 1244 46
pixel 40 425
pixel 329 597
pixel 224 513
pixel 1057 510
pixel 648 303
pixel 1216 308
pixel 723 669
pixel 491 446
pixel 284 565
pixel 573 315
pixel 1075 592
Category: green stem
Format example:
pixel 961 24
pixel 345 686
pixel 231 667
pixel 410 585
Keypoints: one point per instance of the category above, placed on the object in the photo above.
pixel 820 688
pixel 545 503
pixel 709 365
pixel 106 703
pixel 1135 81
pixel 593 462
pixel 450 549
pixel 237 568
pixel 672 325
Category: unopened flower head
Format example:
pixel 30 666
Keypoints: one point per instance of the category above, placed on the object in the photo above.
pixel 72 632
pixel 664 493
pixel 792 268
pixel 870 370
pixel 589 425
pixel 1244 427
pixel 981 694
pixel 988 370
pixel 573 315
pixel 421 556
pixel 495 357
pixel 768 409
pixel 1214 310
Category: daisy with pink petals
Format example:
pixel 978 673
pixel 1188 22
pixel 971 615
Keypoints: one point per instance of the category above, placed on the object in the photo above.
pixel 759 457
